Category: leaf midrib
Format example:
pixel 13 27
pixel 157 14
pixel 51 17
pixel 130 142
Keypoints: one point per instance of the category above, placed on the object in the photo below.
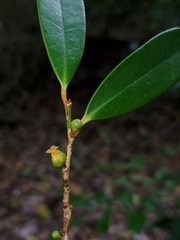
pixel 64 44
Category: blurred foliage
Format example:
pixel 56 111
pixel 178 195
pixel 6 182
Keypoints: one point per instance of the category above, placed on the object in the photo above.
pixel 103 17
pixel 21 48
pixel 128 192
pixel 131 19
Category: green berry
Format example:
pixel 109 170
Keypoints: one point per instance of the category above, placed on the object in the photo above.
pixel 76 124
pixel 58 159
pixel 56 235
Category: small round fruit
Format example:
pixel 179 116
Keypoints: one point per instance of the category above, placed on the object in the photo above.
pixel 59 159
pixel 56 234
pixel 76 125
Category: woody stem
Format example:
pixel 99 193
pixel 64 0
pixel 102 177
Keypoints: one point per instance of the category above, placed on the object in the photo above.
pixel 66 168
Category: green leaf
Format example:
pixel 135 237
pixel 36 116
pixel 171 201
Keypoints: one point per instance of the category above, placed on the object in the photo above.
pixel 126 198
pixel 149 203
pixel 63 29
pixel 102 224
pixel 136 220
pixel 141 77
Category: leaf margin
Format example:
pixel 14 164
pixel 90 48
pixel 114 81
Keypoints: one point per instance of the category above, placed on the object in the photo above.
pixel 63 82
pixel 86 117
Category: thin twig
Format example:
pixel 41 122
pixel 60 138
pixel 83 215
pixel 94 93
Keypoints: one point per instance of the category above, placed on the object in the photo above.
pixel 66 168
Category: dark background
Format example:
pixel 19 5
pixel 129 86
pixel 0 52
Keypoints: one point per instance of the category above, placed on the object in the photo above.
pixel 32 119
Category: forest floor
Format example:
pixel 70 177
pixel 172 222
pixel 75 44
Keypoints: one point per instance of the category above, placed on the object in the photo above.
pixel 122 167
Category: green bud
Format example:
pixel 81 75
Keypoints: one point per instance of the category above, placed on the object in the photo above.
pixel 76 125
pixel 56 234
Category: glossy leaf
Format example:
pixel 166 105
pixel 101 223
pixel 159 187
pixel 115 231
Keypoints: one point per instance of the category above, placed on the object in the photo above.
pixel 63 29
pixel 141 77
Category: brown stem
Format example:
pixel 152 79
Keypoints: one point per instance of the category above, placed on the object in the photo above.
pixel 66 193
pixel 66 168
